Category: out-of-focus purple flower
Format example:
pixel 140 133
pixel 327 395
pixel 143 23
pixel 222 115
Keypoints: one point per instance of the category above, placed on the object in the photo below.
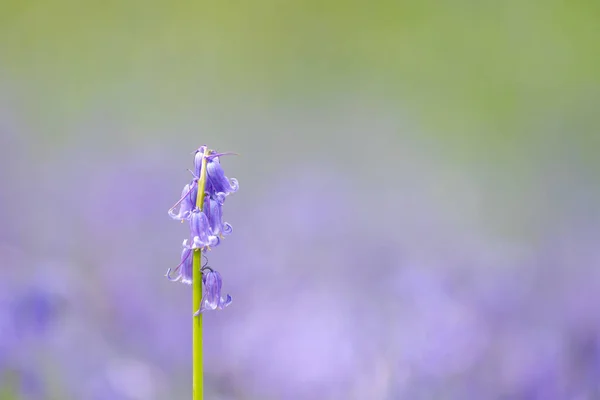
pixel 30 310
pixel 186 203
pixel 202 236
pixel 34 311
pixel 212 292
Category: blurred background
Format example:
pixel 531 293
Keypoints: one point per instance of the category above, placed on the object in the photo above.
pixel 418 207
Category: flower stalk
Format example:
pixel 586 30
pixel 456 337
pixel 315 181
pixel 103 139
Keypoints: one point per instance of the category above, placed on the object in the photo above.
pixel 201 205
pixel 197 346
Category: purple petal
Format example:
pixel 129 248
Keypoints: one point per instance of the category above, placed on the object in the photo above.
pixel 206 306
pixel 226 302
pixel 212 286
pixel 169 277
pixel 215 218
pixel 186 202
pixel 220 197
pixel 186 266
pixel 198 160
pixel 212 299
pixel 200 231
pixel 217 181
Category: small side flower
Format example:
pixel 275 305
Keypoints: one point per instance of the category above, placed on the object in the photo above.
pixel 202 236
pixel 186 203
pixel 184 269
pixel 214 212
pixel 212 299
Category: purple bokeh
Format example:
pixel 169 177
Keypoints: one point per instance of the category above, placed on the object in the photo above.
pixel 339 292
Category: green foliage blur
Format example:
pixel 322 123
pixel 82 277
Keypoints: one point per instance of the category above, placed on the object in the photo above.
pixel 478 75
pixel 507 90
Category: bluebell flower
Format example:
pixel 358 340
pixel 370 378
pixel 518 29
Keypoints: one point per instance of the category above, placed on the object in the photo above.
pixel 202 236
pixel 216 181
pixel 186 203
pixel 214 211
pixel 34 311
pixel 212 299
pixel 184 269
pixel 206 224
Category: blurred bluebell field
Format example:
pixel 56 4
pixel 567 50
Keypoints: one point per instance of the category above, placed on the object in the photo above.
pixel 418 207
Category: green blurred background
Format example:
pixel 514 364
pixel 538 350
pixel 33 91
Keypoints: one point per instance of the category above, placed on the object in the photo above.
pixel 513 84
pixel 481 77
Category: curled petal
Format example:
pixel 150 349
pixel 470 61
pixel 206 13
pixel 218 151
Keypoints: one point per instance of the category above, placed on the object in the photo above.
pixel 221 304
pixel 169 277
pixel 234 184
pixel 227 229
pixel 220 197
pixel 206 306
pixel 227 301
pixel 213 241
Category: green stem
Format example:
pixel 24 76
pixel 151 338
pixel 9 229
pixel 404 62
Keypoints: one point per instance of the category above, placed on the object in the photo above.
pixel 197 352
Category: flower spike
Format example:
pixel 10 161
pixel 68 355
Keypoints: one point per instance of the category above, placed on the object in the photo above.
pixel 201 204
